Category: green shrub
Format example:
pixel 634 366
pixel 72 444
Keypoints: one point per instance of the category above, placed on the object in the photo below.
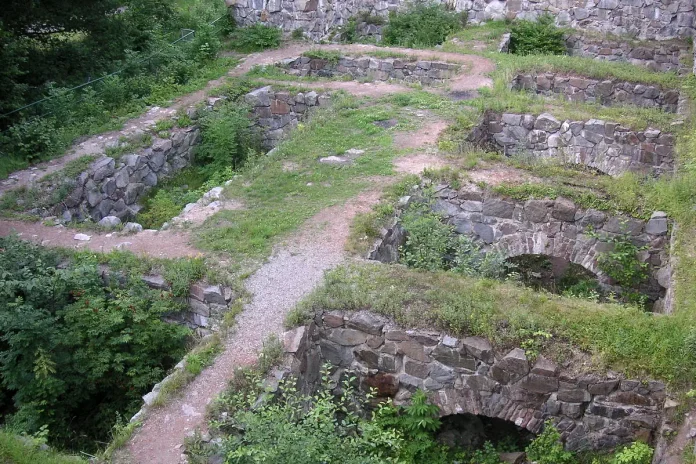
pixel 227 138
pixel 256 38
pixel 420 25
pixel 548 449
pixel 637 453
pixel 297 34
pixel 540 37
pixel 621 263
pixel 76 354
pixel 433 245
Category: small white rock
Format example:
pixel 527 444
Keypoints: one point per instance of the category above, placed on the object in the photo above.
pixel 82 237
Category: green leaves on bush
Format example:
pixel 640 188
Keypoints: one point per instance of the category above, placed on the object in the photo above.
pixel 256 38
pixel 621 262
pixel 227 138
pixel 433 245
pixel 421 25
pixel 540 37
pixel 547 448
pixel 75 354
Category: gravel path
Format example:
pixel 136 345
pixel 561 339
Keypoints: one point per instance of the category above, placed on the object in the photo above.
pixel 293 271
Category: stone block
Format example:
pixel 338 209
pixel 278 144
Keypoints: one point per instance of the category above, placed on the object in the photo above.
pixel 347 337
pixel 498 208
pixel 366 322
pixel 545 367
pixel 479 348
pixel 416 369
pixel 539 383
pixel 294 340
pixel 564 209
pixel 547 122
pixel 413 350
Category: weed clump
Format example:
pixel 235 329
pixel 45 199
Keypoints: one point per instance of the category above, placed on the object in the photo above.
pixel 540 37
pixel 421 25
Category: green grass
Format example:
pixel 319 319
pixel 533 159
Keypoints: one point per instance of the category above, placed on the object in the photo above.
pixel 318 54
pixel 165 201
pixel 279 200
pixel 17 450
pixel 618 337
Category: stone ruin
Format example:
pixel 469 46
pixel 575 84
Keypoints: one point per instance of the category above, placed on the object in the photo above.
pixel 606 146
pixel 426 72
pixel 608 92
pixel 556 228
pixel 113 186
pixel 470 375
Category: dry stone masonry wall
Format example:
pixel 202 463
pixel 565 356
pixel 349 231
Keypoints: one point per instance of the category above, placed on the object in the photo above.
pixel 606 92
pixel 423 71
pixel 207 304
pixel 670 55
pixel 557 228
pixel 646 19
pixel 112 187
pixel 469 375
pixel 606 146
pixel 276 113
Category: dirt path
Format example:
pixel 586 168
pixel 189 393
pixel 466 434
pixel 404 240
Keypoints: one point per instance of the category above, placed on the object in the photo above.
pixel 295 269
pixel 147 242
pixel 473 77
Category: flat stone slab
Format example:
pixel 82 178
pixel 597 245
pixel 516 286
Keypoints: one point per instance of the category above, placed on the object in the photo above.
pixel 343 160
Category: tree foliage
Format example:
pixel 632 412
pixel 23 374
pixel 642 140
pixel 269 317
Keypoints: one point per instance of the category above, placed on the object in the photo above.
pixel 422 24
pixel 74 353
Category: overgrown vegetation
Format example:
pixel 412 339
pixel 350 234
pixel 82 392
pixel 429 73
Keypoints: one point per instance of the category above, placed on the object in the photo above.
pixel 433 245
pixel 256 38
pixel 16 449
pixel 422 24
pixel 77 353
pixel 539 37
pixel 79 43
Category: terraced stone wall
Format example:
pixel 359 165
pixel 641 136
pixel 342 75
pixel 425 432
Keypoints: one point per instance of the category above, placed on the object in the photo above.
pixel 276 113
pixel 469 375
pixel 659 56
pixel 112 187
pixel 423 71
pixel 606 146
pixel 606 92
pixel 645 19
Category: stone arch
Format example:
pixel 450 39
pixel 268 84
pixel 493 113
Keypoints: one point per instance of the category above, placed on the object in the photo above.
pixel 469 375
pixel 581 250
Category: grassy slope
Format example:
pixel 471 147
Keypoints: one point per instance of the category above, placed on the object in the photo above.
pixel 618 337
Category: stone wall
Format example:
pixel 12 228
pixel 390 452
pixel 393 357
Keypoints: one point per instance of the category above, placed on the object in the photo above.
pixel 606 92
pixel 276 113
pixel 112 187
pixel 645 19
pixel 469 375
pixel 556 228
pixel 606 146
pixel 207 304
pixel 424 72
pixel 658 56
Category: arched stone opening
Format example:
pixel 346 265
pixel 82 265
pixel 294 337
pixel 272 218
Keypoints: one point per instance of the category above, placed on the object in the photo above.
pixel 471 431
pixel 555 275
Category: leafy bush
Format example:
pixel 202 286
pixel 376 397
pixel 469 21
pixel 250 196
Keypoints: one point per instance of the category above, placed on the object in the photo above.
pixel 75 354
pixel 621 263
pixel 256 38
pixel 540 37
pixel 548 449
pixel 433 245
pixel 420 25
pixel 227 138
pixel 323 428
pixel 637 453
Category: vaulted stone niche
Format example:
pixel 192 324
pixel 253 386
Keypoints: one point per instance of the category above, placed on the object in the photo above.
pixel 606 146
pixel 422 71
pixel 556 228
pixel 470 376
pixel 608 92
